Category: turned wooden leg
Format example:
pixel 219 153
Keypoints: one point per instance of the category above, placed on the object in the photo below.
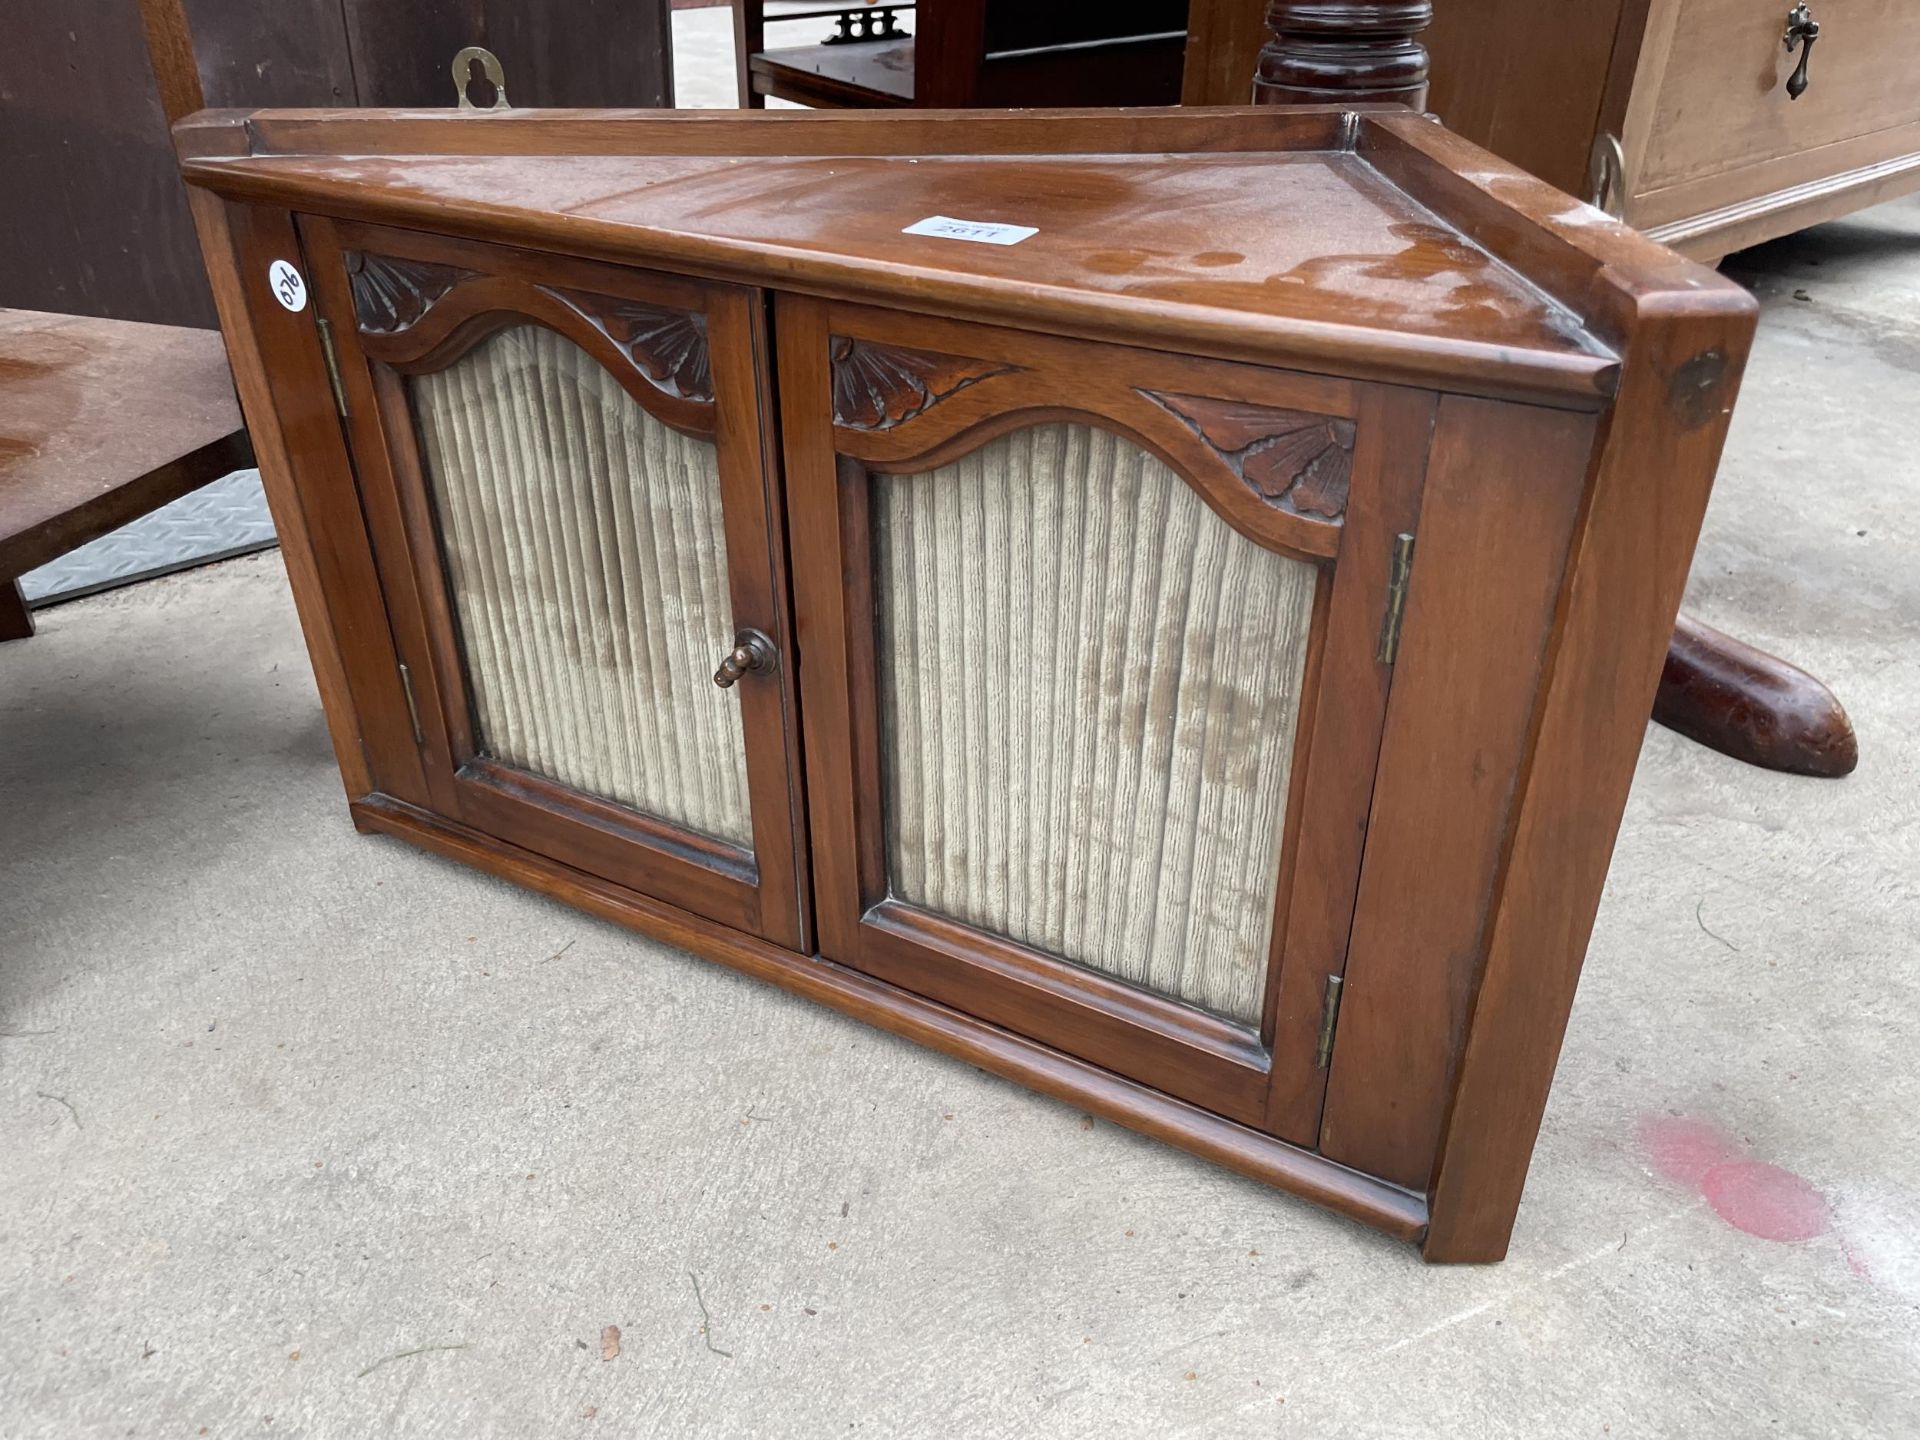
pixel 1342 50
pixel 1745 703
pixel 1728 696
pixel 16 621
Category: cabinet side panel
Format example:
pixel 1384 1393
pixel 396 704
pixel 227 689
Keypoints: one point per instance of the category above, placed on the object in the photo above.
pixel 1503 490
pixel 1627 570
pixel 280 372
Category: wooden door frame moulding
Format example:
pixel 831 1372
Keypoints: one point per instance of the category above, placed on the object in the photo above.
pixel 315 505
pixel 1007 366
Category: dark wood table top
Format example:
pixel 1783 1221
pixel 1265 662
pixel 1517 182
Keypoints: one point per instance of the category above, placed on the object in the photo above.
pixel 882 66
pixel 102 421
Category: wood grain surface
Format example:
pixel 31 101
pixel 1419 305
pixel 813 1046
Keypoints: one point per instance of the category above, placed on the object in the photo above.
pixel 103 421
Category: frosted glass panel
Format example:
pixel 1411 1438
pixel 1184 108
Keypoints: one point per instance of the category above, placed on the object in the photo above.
pixel 1090 686
pixel 584 546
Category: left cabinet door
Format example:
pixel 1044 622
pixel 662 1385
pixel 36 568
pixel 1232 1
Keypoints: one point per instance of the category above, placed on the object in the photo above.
pixel 574 506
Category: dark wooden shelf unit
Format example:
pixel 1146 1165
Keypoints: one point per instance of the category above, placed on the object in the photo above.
pixel 969 52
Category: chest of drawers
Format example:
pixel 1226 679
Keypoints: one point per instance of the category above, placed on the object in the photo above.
pixel 1709 124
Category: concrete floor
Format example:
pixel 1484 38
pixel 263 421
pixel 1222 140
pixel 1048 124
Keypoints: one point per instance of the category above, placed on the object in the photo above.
pixel 309 1134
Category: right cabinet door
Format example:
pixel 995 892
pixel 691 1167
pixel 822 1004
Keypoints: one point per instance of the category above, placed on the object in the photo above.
pixel 1092 662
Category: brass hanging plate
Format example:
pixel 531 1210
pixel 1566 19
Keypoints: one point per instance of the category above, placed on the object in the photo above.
pixel 478 57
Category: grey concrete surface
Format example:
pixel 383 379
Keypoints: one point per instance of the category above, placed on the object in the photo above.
pixel 304 1133
pixel 704 77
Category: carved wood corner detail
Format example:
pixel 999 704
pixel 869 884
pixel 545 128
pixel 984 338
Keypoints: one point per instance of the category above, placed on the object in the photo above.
pixel 876 387
pixel 390 295
pixel 1294 459
pixel 668 346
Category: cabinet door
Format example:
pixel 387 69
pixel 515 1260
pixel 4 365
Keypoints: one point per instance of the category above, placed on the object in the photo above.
pixel 565 475
pixel 1091 649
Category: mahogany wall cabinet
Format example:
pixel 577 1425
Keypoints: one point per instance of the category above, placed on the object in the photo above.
pixel 1162 604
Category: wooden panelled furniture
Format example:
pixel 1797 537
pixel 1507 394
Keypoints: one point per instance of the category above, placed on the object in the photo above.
pixel 1176 630
pixel 968 52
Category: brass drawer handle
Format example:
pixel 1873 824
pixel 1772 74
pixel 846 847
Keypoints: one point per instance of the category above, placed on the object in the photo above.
pixel 752 651
pixel 1802 29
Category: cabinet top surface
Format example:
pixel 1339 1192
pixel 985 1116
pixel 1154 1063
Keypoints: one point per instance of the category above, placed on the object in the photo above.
pixel 1291 238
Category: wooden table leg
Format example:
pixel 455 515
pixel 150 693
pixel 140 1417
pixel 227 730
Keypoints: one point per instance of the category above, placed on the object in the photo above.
pixel 1326 51
pixel 16 621
pixel 1745 703
pixel 1716 690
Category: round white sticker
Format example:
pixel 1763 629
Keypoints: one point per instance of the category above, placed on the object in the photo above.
pixel 287 286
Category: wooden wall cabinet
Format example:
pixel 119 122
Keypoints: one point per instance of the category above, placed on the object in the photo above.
pixel 1190 659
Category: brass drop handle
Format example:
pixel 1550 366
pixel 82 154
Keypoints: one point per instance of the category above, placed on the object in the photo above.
pixel 1803 30
pixel 752 651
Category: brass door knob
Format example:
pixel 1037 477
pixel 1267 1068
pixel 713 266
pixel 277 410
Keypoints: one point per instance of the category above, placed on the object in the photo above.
pixel 752 651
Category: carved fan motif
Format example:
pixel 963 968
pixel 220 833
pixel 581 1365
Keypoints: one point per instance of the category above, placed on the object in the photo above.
pixel 668 346
pixel 876 387
pixel 1295 459
pixel 390 295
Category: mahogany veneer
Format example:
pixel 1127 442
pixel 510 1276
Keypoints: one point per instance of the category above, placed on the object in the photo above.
pixel 1305 887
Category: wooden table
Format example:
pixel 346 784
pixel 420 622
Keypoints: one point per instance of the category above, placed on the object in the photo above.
pixel 102 421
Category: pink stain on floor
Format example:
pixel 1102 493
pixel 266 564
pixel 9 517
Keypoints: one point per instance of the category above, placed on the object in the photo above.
pixel 1766 1201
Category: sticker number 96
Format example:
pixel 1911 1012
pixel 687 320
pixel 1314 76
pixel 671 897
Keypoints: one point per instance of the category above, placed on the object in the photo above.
pixel 287 286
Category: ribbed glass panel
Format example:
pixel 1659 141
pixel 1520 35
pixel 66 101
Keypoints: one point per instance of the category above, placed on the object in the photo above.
pixel 584 545
pixel 1090 686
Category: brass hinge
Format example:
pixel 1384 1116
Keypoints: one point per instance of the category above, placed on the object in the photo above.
pixel 333 366
pixel 413 708
pixel 1606 175
pixel 1396 598
pixel 1329 1017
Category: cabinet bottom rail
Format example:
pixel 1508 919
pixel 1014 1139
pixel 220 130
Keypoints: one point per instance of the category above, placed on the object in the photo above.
pixel 1388 1208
